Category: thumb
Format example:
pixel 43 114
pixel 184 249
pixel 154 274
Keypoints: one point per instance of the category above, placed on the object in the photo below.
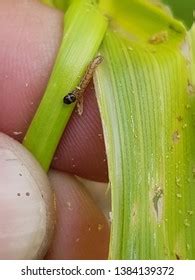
pixel 26 212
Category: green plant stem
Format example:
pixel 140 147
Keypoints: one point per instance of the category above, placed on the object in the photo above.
pixel 84 30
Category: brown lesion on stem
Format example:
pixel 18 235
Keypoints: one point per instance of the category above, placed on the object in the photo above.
pixel 179 118
pixel 177 256
pixel 159 38
pixel 158 202
pixel 134 213
pixel 191 88
pixel 176 136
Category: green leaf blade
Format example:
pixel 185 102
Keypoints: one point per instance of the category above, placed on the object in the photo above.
pixel 144 97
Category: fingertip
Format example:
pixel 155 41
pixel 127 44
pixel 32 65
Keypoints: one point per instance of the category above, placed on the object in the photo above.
pixel 82 231
pixel 30 37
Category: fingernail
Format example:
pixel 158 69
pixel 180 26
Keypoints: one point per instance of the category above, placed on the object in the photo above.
pixel 26 204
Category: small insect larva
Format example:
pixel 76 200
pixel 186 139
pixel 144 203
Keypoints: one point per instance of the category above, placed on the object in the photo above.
pixel 76 95
pixel 89 73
